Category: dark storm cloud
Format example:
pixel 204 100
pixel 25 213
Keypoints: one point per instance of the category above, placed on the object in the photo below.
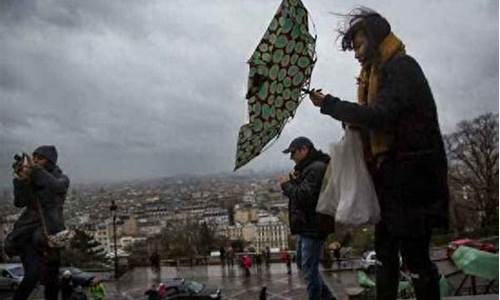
pixel 129 89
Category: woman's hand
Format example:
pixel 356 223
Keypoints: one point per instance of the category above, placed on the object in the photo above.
pixel 317 97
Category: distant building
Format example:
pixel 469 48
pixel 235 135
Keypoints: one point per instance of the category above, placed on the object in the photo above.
pixel 272 233
pixel 103 235
pixel 217 216
pixel 245 214
pixel 231 232
pixel 249 233
pixel 148 227
pixel 249 197
pixel 269 231
pixel 126 241
pixel 129 226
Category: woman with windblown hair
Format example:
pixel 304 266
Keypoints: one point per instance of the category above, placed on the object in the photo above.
pixel 403 146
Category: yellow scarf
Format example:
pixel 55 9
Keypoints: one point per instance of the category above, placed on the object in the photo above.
pixel 368 84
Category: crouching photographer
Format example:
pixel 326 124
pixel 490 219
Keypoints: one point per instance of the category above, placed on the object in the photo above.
pixel 40 188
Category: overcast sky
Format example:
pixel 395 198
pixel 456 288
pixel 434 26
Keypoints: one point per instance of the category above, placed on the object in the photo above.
pixel 132 89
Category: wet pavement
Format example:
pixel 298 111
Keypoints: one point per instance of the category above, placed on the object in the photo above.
pixel 235 285
pixel 232 281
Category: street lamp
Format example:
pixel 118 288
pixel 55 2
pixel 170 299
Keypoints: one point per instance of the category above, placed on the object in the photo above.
pixel 113 208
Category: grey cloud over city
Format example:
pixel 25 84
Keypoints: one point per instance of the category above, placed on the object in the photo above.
pixel 141 89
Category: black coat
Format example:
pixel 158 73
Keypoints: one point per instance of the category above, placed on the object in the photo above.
pixel 303 193
pixel 66 285
pixel 49 188
pixel 411 179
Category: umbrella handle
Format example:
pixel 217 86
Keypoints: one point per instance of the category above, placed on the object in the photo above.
pixel 307 91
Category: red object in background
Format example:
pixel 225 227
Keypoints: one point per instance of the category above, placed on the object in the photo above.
pixel 285 256
pixel 247 261
pixel 488 247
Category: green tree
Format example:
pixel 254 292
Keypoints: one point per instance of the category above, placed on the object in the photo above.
pixel 83 249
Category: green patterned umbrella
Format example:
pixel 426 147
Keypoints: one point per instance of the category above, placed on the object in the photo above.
pixel 280 69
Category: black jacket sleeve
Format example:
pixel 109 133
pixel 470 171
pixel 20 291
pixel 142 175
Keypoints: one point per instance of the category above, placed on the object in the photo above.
pixel 402 76
pixel 23 194
pixel 43 178
pixel 304 193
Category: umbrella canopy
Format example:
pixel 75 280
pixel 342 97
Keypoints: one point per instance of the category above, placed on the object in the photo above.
pixel 280 68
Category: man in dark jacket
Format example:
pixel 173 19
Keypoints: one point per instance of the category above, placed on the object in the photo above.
pixel 404 151
pixel 302 189
pixel 40 186
pixel 155 261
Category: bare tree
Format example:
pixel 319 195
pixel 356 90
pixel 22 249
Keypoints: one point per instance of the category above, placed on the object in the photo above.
pixel 189 238
pixel 473 163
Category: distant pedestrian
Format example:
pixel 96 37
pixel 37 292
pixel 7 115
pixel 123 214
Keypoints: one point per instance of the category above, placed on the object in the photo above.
pixel 162 290
pixel 267 256
pixel 155 261
pixel 97 291
pixel 222 256
pixel 263 293
pixel 246 261
pixel 336 254
pixel 153 293
pixel 335 247
pixel 258 259
pixel 230 256
pixel 285 258
pixel 66 285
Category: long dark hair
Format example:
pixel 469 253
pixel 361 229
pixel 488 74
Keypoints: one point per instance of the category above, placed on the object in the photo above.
pixel 364 19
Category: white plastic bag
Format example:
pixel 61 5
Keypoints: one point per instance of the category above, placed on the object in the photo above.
pixel 349 188
pixel 329 195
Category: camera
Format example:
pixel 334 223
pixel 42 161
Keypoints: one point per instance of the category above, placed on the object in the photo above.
pixel 19 161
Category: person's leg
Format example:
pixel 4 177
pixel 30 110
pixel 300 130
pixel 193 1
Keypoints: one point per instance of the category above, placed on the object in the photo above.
pixel 66 294
pixel 387 251
pixel 311 252
pixel 31 265
pixel 298 256
pixel 337 258
pixel 51 277
pixel 424 272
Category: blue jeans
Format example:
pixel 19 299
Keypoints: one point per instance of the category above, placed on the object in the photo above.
pixel 311 251
pixel 298 255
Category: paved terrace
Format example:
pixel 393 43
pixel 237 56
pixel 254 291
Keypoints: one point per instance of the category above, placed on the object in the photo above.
pixel 235 285
pixel 233 282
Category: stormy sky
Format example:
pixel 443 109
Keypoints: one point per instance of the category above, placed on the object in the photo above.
pixel 134 89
